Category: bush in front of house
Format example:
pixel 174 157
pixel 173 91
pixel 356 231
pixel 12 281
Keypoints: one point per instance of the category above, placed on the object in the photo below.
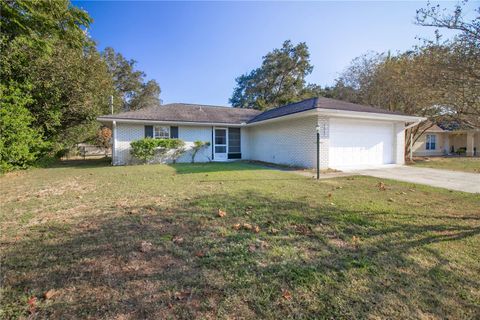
pixel 146 149
pixel 197 146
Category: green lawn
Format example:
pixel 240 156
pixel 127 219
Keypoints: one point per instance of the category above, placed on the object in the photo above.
pixel 288 247
pixel 467 164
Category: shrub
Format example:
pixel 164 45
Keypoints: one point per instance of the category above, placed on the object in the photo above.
pixel 146 149
pixel 197 146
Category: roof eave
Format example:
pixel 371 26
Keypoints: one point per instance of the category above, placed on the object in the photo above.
pixel 369 115
pixel 186 123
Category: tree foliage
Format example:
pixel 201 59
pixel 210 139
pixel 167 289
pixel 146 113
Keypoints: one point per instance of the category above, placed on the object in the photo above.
pixel 19 143
pixel 132 92
pixel 279 80
pixel 48 58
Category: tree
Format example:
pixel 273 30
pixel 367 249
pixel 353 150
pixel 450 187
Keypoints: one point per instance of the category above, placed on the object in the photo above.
pixel 436 16
pixel 147 96
pixel 279 80
pixel 132 93
pixel 19 143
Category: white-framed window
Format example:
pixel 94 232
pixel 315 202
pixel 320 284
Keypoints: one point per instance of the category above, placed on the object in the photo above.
pixel 161 132
pixel 431 142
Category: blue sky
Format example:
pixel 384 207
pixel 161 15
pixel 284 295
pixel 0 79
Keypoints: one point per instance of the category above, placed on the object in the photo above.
pixel 196 49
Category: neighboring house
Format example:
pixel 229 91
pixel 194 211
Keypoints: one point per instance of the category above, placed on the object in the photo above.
pixel 351 135
pixel 437 141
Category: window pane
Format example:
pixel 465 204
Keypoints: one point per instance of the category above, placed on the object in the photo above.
pixel 220 149
pixel 234 140
pixel 220 136
pixel 161 132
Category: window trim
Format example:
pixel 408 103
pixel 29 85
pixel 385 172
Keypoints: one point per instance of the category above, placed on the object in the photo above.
pixel 159 137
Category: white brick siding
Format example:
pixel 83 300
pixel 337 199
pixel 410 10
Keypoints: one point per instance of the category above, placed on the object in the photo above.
pixel 126 133
pixel 324 124
pixel 290 142
pixel 189 134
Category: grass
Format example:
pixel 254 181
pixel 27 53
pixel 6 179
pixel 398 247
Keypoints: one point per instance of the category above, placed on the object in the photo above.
pixel 466 164
pixel 288 247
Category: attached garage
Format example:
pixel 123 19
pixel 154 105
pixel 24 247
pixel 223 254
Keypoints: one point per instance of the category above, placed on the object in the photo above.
pixel 358 143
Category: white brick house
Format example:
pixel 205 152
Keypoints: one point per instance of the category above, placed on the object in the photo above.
pixel 351 135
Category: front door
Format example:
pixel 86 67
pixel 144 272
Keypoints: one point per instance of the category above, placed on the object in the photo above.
pixel 220 147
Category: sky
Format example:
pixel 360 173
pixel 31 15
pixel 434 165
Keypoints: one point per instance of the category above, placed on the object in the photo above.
pixel 195 50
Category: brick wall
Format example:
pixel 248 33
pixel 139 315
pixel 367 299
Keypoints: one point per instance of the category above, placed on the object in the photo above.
pixel 290 142
pixel 127 133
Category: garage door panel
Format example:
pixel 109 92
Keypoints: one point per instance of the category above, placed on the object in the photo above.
pixel 355 143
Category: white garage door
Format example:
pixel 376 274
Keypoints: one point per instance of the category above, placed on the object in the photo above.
pixel 359 143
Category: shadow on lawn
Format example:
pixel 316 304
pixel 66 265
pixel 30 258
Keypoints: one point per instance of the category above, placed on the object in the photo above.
pixel 206 167
pixel 81 164
pixel 305 262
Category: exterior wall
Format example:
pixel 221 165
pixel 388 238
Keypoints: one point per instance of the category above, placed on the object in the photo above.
pixel 126 133
pixel 476 143
pixel 324 125
pixel 289 142
pixel 399 143
pixel 189 134
pixel 441 147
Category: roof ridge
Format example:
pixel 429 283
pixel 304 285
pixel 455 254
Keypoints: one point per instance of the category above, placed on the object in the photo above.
pixel 208 106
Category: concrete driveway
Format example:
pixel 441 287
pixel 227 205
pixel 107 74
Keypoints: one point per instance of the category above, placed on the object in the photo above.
pixel 453 180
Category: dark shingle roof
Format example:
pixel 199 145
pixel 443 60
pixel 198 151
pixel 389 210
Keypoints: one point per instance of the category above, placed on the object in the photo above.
pixel 285 110
pixel 184 112
pixel 323 103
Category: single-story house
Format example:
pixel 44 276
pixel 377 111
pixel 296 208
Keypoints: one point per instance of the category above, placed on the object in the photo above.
pixel 351 135
pixel 451 140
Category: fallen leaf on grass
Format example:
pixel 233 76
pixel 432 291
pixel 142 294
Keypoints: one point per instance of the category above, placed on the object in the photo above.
pixel 221 213
pixel 286 295
pixel 247 226
pixel 236 226
pixel 199 254
pixel 181 295
pixel 49 294
pixel 145 246
pixel 32 304
pixel 177 239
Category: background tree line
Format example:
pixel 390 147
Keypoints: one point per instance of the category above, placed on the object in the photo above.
pixel 54 82
pixel 438 79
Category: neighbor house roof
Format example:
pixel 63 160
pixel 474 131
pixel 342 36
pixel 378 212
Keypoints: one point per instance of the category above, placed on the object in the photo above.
pixel 185 112
pixel 432 127
pixel 196 113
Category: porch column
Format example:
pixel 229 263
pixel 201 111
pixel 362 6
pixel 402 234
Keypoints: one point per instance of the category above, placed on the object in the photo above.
pixel 446 143
pixel 470 144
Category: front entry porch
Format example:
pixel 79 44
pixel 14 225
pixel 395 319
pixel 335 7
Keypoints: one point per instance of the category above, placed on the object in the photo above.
pixel 465 143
